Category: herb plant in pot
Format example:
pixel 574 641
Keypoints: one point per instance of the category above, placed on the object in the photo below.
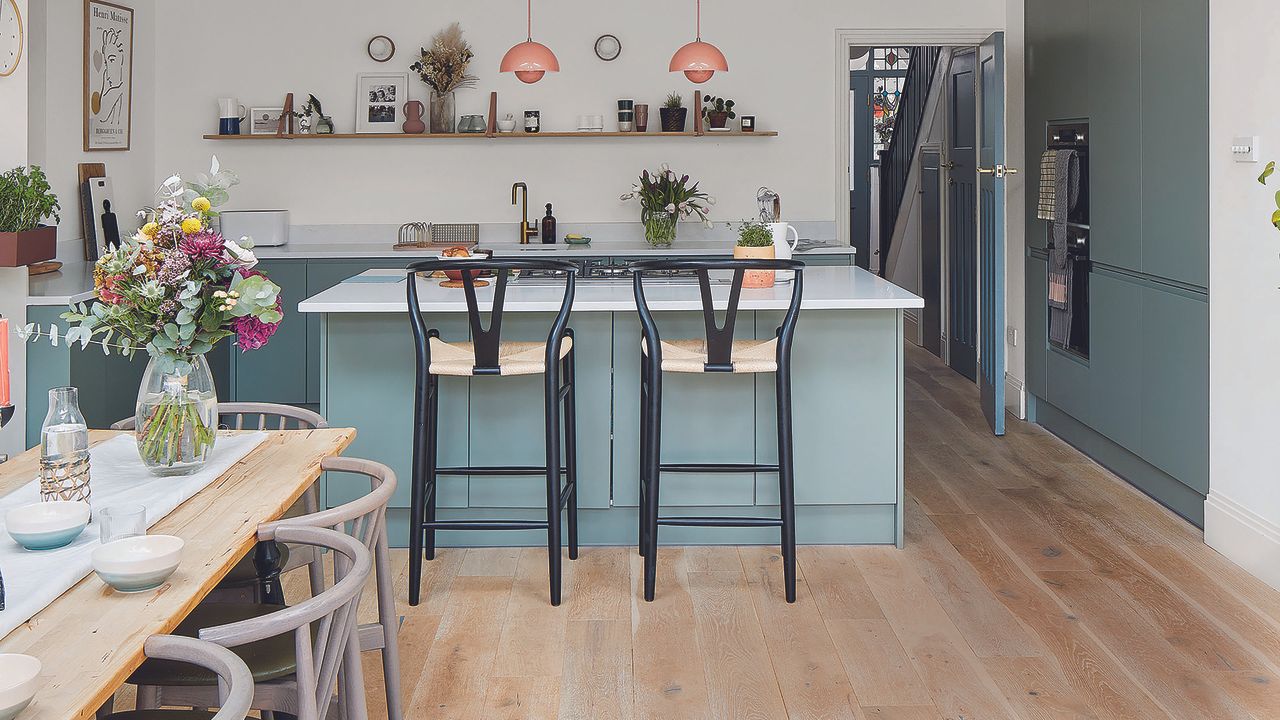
pixel 175 290
pixel 664 198
pixel 673 113
pixel 755 242
pixel 26 201
pixel 717 111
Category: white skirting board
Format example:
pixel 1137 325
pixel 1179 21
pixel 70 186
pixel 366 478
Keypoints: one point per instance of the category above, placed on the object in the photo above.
pixel 1015 397
pixel 1244 537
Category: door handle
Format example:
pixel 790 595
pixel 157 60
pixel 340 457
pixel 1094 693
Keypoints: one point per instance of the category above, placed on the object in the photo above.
pixel 948 166
pixel 999 171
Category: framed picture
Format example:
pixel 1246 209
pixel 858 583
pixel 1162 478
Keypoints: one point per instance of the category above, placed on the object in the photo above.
pixel 264 120
pixel 108 75
pixel 380 99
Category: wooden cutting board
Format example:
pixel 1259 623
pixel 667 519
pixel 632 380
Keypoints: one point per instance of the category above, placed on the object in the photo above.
pixel 44 268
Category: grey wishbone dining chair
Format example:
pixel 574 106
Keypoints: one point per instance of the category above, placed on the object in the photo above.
pixel 320 628
pixel 256 576
pixel 365 520
pixel 235 683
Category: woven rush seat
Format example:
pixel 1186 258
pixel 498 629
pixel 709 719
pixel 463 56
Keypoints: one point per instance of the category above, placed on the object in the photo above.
pixel 690 356
pixel 514 358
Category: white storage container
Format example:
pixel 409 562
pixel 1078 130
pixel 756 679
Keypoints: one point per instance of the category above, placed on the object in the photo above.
pixel 268 228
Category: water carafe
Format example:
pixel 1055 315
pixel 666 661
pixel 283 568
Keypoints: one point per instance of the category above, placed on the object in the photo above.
pixel 64 448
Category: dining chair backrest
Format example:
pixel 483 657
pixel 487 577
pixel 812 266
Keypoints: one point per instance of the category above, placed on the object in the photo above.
pixel 260 416
pixel 235 682
pixel 487 341
pixel 319 654
pixel 719 336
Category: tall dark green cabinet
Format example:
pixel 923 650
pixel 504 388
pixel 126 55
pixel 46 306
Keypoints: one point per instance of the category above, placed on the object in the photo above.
pixel 1137 71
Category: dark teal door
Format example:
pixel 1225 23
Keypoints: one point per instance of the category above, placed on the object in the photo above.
pixel 991 188
pixel 860 167
pixel 962 221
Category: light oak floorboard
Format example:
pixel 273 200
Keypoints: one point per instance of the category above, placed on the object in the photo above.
pixel 666 659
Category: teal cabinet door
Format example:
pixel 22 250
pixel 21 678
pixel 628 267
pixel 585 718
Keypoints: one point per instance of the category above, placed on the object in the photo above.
pixel 369 359
pixel 1175 386
pixel 845 423
pixel 1037 334
pixel 1116 126
pixel 1175 139
pixel 275 373
pixel 1116 359
pixel 322 275
pixel 688 400
pixel 507 425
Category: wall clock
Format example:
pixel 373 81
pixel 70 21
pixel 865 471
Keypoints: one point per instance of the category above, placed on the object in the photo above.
pixel 608 47
pixel 381 48
pixel 10 37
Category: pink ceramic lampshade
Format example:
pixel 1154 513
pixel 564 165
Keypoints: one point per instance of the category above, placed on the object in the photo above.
pixel 530 60
pixel 698 60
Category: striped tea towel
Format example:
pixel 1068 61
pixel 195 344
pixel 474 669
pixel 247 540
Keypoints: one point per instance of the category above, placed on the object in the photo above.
pixel 1046 207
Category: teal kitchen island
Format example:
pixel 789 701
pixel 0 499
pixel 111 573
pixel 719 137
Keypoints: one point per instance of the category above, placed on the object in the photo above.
pixel 847 389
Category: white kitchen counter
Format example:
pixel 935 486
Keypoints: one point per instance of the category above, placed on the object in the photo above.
pixel 825 288
pixel 72 284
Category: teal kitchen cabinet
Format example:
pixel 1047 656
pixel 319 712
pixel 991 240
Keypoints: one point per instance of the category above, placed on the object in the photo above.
pixel 1037 332
pixel 1175 113
pixel 320 276
pixel 1116 366
pixel 275 373
pixel 1175 385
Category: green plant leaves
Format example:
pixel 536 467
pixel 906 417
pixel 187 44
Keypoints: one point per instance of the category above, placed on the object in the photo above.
pixel 1268 172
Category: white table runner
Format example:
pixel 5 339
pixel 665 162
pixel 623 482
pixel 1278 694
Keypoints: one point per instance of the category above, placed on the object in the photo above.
pixel 33 579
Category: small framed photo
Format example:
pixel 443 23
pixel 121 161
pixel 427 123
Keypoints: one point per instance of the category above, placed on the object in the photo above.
pixel 748 123
pixel 380 99
pixel 264 120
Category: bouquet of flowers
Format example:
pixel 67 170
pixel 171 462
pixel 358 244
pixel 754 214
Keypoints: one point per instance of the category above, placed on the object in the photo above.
pixel 174 290
pixel 664 198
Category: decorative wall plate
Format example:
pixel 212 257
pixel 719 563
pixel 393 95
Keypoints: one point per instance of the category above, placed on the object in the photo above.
pixel 608 47
pixel 381 48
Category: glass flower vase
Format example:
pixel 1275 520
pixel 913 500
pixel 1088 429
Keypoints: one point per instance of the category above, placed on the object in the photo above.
pixel 659 227
pixel 443 117
pixel 177 417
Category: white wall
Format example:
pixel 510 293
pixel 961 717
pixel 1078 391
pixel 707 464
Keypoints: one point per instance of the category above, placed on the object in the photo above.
pixel 1242 514
pixel 781 72
pixel 56 140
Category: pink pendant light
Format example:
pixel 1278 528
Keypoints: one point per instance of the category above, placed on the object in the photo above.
pixel 530 60
pixel 698 60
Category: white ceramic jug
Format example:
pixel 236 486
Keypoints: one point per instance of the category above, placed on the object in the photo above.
pixel 782 249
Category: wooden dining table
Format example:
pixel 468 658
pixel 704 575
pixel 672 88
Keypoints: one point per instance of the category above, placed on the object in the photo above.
pixel 90 638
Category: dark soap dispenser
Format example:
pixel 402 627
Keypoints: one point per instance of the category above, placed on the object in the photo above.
pixel 549 227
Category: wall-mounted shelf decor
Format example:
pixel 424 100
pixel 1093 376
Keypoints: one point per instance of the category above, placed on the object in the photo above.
pixel 498 136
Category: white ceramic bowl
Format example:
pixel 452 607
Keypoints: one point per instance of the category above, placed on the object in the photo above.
pixel 47 525
pixel 19 679
pixel 134 564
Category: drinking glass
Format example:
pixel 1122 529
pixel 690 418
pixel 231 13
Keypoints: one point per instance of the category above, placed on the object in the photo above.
pixel 122 521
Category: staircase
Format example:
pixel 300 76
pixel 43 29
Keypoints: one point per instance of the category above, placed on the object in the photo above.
pixel 895 162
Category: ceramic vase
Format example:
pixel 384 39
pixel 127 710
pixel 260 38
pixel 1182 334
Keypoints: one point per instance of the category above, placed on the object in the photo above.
pixel 443 118
pixel 413 124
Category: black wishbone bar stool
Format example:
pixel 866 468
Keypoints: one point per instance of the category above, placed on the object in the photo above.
pixel 718 352
pixel 488 355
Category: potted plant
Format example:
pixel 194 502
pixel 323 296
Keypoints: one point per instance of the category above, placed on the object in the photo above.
pixel 26 202
pixel 673 113
pixel 443 68
pixel 175 290
pixel 664 198
pixel 322 124
pixel 717 111
pixel 755 242
pixel 1266 174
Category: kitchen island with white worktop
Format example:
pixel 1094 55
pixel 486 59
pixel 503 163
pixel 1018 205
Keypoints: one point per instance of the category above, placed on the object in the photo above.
pixel 847 395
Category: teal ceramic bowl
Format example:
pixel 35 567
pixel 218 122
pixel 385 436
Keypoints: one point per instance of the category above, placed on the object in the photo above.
pixel 578 241
pixel 19 680
pixel 47 525
pixel 134 564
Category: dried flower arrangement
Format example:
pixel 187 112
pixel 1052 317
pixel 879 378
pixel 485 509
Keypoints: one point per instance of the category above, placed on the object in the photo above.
pixel 444 66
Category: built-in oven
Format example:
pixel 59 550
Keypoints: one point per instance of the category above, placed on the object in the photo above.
pixel 1068 238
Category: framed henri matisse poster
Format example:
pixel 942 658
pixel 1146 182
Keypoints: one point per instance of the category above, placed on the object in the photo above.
pixel 108 75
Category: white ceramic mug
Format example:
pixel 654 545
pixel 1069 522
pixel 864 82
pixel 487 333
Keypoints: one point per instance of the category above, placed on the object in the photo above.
pixel 781 248
pixel 229 108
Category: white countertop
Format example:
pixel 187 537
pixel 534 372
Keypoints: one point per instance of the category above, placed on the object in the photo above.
pixel 72 284
pixel 825 288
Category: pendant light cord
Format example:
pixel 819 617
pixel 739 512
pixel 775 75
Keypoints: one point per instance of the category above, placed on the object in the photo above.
pixel 699 23
pixel 529 19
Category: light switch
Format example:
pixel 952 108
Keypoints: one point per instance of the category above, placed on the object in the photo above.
pixel 1245 149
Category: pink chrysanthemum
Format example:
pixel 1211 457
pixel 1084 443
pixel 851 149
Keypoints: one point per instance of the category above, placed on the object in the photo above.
pixel 252 333
pixel 202 246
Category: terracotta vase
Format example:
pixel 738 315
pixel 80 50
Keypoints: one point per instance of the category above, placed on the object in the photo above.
pixel 755 278
pixel 718 119
pixel 413 125
pixel 28 247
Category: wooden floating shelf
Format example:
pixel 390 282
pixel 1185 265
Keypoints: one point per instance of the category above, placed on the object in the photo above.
pixel 499 136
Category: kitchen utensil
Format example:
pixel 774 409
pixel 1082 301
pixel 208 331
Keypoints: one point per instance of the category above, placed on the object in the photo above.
pixel 47 525
pixel 139 563
pixel 44 268
pixel 122 521
pixel 19 680
pixel 507 124
pixel 770 205
pixel 267 228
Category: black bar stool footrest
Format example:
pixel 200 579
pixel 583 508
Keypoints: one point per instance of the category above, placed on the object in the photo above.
pixel 702 521
pixel 469 524
pixel 498 470
pixel 716 467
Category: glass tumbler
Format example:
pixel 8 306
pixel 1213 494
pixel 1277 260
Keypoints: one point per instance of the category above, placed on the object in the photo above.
pixel 122 521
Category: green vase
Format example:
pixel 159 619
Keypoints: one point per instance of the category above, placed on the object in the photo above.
pixel 659 228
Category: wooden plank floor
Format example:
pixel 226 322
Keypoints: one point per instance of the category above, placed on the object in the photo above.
pixel 1033 585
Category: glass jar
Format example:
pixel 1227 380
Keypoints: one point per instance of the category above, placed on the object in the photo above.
pixel 659 227
pixel 177 417
pixel 64 448
pixel 443 118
